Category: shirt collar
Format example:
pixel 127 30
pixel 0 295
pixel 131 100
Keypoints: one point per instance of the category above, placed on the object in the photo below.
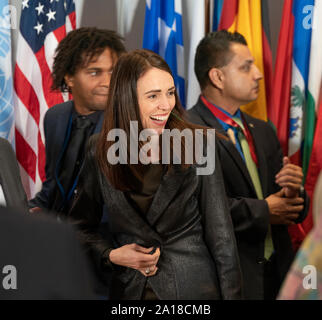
pixel 94 117
pixel 224 125
pixel 237 113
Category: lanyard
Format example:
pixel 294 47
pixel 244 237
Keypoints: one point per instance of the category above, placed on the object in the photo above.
pixel 223 117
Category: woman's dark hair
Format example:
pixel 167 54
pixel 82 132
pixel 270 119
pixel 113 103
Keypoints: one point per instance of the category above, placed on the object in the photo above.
pixel 123 107
pixel 78 48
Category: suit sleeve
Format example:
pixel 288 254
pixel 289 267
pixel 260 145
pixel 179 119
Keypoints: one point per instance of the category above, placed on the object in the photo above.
pixel 250 217
pixel 277 165
pixel 87 209
pixel 44 197
pixel 10 179
pixel 219 233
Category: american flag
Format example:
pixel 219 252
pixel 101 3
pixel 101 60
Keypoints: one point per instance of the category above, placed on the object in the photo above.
pixel 43 24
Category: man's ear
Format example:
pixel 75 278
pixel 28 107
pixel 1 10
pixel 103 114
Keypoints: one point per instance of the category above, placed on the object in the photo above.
pixel 216 77
pixel 69 80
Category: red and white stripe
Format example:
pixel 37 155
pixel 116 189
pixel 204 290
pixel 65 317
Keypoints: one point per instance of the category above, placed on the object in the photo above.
pixel 32 98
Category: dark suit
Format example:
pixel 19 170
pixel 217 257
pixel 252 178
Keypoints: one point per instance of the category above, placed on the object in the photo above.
pixel 251 216
pixel 47 257
pixel 56 124
pixel 191 226
pixel 10 179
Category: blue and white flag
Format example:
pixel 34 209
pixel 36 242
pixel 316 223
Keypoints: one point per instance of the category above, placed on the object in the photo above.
pixel 6 83
pixel 163 35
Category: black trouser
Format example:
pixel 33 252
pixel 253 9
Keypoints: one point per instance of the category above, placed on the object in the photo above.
pixel 272 281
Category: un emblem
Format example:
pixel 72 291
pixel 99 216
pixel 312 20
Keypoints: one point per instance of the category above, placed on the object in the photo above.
pixel 6 86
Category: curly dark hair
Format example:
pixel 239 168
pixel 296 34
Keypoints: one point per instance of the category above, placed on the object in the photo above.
pixel 78 48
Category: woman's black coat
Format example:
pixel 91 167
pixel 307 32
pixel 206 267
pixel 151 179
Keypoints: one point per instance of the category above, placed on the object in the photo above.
pixel 188 219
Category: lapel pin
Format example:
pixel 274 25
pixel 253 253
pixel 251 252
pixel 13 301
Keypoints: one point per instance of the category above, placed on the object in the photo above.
pixel 251 125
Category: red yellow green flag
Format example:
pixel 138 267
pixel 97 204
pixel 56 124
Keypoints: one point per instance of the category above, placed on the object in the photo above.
pixel 245 17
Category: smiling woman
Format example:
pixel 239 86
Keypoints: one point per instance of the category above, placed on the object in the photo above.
pixel 142 90
pixel 169 232
pixel 156 98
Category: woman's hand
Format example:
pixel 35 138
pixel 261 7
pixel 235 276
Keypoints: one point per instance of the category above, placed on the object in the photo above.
pixel 136 257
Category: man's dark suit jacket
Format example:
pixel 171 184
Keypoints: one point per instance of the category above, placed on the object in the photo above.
pixel 56 123
pixel 251 216
pixel 47 257
pixel 10 179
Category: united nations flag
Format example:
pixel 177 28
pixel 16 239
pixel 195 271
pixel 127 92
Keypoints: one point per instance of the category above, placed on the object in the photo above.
pixel 6 84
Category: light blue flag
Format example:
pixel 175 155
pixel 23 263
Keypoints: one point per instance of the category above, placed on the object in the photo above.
pixel 163 35
pixel 6 84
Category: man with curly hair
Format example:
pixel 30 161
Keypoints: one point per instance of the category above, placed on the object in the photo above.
pixel 82 66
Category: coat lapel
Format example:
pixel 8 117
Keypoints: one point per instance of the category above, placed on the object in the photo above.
pixel 262 163
pixel 99 124
pixel 212 122
pixel 169 186
pixel 233 152
pixel 64 120
pixel 61 132
pixel 131 217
